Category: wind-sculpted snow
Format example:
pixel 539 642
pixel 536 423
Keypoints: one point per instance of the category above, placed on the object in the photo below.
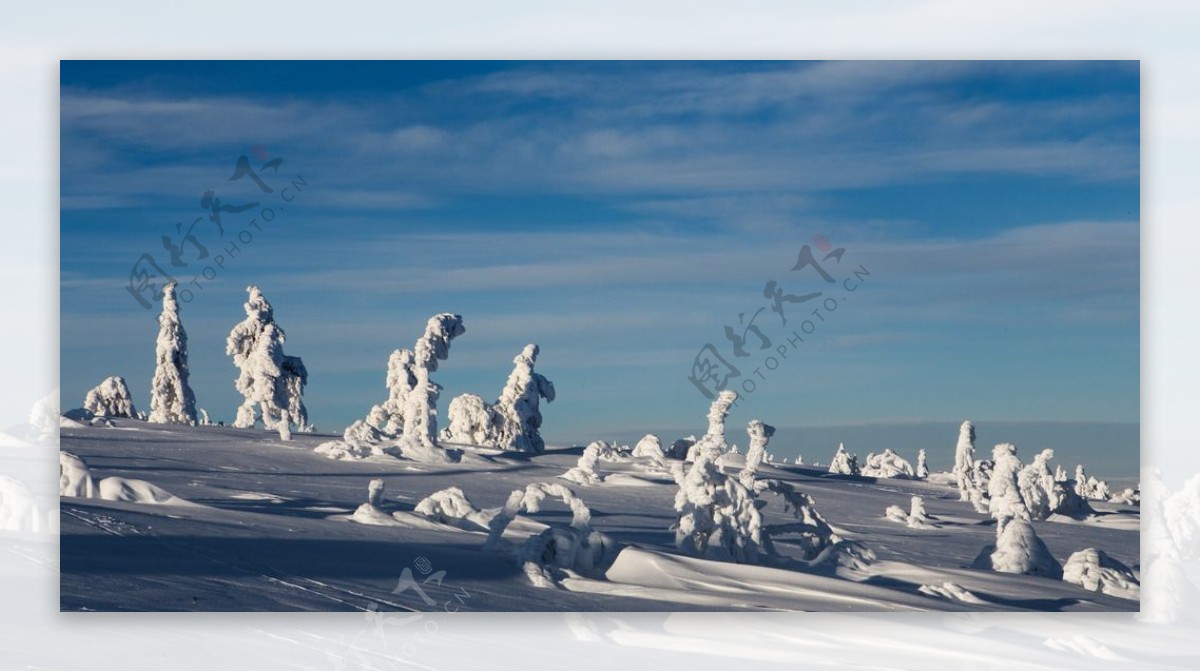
pixel 110 399
pixel 76 480
pixel 171 398
pixel 1095 570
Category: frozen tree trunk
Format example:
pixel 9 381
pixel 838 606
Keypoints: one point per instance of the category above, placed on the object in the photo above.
pixel 519 417
pixel 171 398
pixel 110 399
pixel 964 460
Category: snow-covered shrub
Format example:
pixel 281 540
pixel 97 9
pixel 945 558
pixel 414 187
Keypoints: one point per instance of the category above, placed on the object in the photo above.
pixel 269 381
pixel 1089 487
pixel 585 472
pixel 916 517
pixel 1128 497
pixel 887 465
pixel 718 516
pixel 1095 570
pixel 922 465
pixel 470 420
pixel 544 557
pixel 171 398
pixel 713 441
pixel 650 447
pixel 110 399
pixel 964 461
pixel 809 529
pixel 844 463
pixel 451 506
pixel 1018 550
pixel 760 435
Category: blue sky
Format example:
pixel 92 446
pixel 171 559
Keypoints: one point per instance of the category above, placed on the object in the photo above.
pixel 620 215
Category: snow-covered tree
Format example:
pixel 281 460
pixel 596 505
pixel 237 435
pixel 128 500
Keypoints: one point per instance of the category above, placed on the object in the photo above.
pixel 713 441
pixel 1004 492
pixel 760 435
pixel 844 463
pixel 470 420
pixel 585 471
pixel 110 399
pixel 964 460
pixel 1036 484
pixel 518 414
pixel 887 465
pixel 651 447
pixel 419 439
pixel 922 465
pixel 171 398
pixel 1018 550
pixel 270 381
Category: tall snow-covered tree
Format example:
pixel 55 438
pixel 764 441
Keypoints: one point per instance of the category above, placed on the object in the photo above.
pixel 270 381
pixel 922 464
pixel 964 460
pixel 171 398
pixel 110 399
pixel 517 413
pixel 420 405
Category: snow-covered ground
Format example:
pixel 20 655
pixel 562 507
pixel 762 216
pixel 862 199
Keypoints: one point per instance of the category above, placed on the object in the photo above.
pixel 264 524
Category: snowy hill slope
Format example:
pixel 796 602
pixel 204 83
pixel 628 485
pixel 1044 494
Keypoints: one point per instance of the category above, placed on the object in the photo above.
pixel 267 527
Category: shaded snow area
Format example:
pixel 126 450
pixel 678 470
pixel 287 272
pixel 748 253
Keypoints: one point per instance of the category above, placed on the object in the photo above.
pixel 172 517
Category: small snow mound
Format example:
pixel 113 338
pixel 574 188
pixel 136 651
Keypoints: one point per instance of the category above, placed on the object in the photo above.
pixel 1094 570
pixel 76 480
pixel 451 507
pixel 74 477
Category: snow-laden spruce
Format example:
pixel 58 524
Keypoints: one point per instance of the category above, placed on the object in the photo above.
pixel 514 421
pixel 713 441
pixel 964 461
pixel 720 517
pixel 887 465
pixel 171 398
pixel 1018 550
pixel 271 382
pixel 844 463
pixel 406 424
pixel 110 399
pixel 922 465
pixel 1096 570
